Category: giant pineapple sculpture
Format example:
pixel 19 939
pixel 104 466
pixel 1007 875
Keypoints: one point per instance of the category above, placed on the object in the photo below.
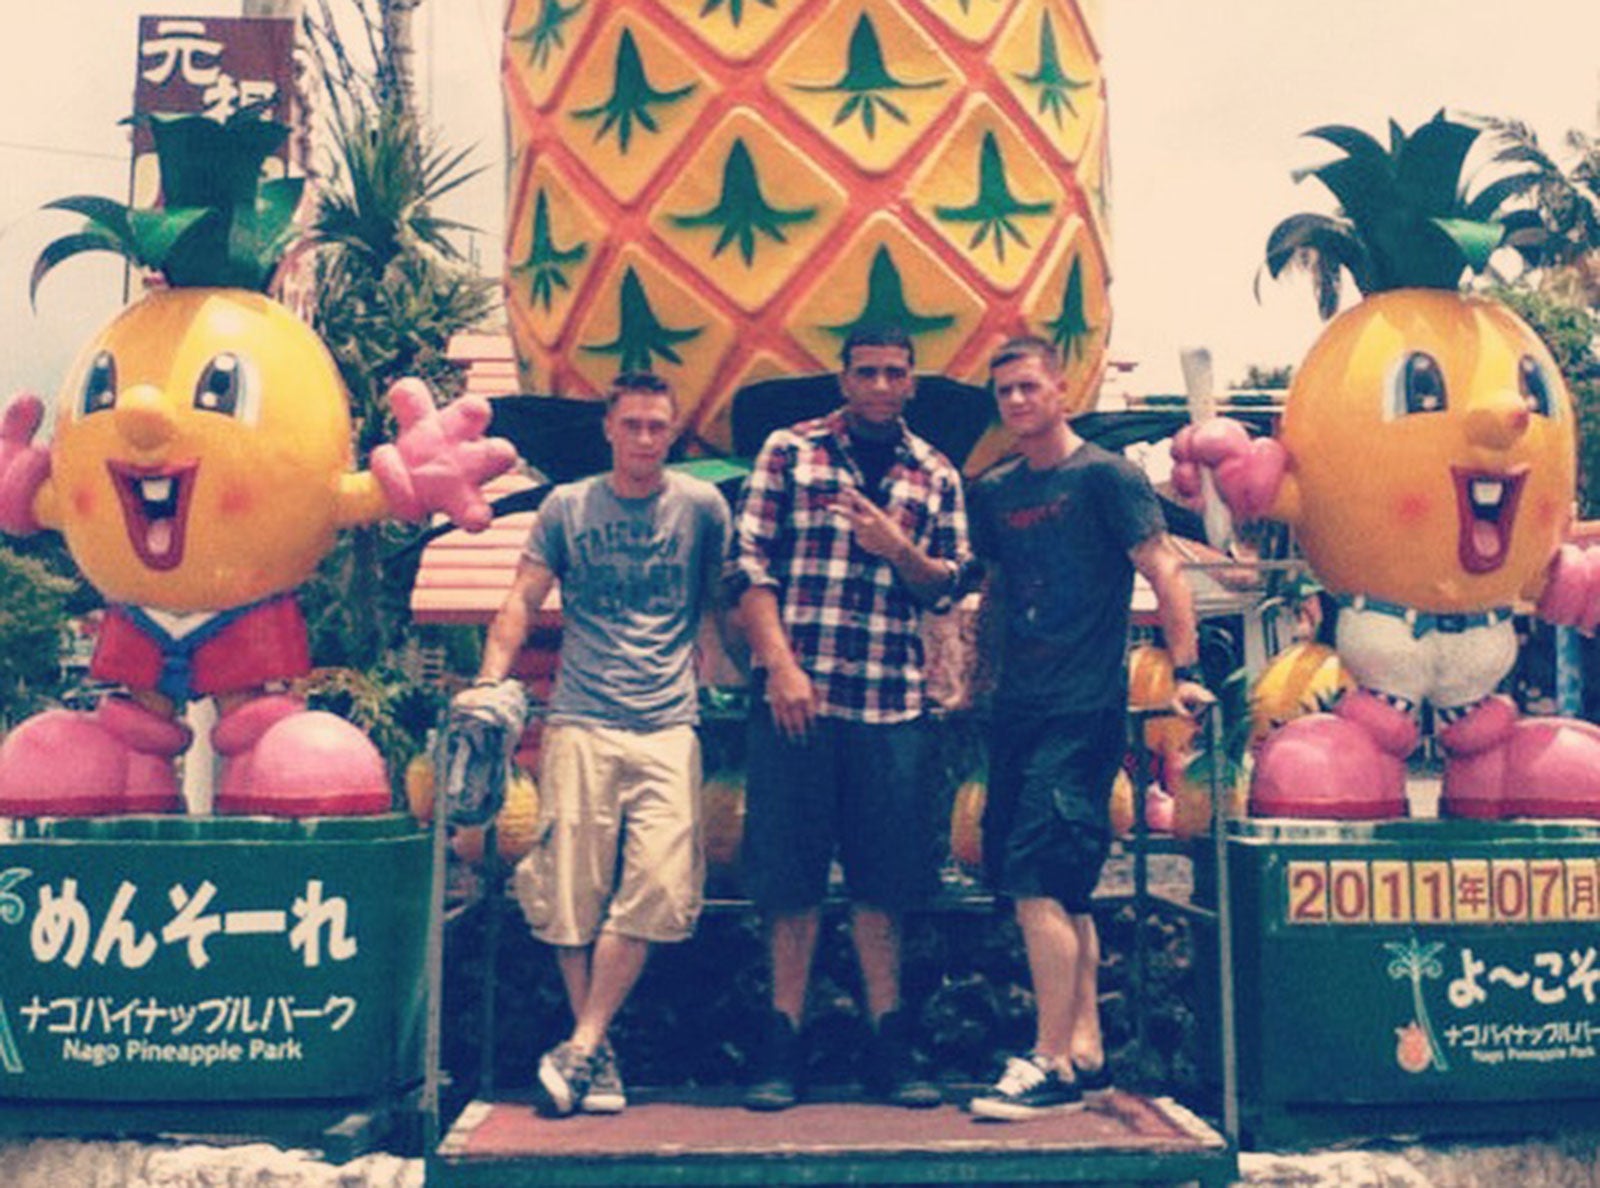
pixel 718 190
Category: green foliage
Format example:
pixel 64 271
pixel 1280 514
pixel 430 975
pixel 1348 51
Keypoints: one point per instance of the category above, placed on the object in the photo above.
pixel 391 287
pixel 1223 752
pixel 220 224
pixel 391 290
pixel 33 615
pixel 384 324
pixel 389 174
pixel 1405 216
pixel 1265 378
pixel 1559 233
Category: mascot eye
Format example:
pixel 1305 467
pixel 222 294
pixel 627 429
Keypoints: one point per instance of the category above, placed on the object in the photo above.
pixel 1534 386
pixel 1417 387
pixel 221 386
pixel 100 385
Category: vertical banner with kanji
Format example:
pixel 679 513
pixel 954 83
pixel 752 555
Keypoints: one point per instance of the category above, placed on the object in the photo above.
pixel 210 66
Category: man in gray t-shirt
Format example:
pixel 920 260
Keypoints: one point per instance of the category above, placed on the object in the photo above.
pixel 617 864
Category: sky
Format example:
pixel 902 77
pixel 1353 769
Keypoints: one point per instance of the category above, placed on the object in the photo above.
pixel 1208 100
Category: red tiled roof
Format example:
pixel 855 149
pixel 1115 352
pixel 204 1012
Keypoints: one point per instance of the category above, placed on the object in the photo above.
pixel 464 576
pixel 489 362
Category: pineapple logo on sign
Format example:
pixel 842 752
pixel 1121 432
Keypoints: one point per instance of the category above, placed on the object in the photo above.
pixel 1417 1048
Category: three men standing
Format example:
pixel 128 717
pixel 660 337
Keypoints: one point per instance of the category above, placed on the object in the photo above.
pixel 850 528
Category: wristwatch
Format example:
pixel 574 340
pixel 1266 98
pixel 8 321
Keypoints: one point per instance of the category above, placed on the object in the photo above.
pixel 1189 672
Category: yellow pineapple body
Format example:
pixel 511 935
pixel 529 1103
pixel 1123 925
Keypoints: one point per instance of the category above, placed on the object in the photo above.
pixel 718 192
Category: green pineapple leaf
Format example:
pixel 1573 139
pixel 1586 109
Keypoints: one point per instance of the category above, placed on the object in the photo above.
pixel 866 81
pixel 154 233
pixel 144 237
pixel 742 210
pixel 641 336
pixel 544 35
pixel 1406 219
pixel 218 225
pixel 94 239
pixel 994 209
pixel 886 303
pixel 632 97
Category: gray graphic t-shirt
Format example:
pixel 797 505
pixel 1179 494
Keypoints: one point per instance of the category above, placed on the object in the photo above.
pixel 635 575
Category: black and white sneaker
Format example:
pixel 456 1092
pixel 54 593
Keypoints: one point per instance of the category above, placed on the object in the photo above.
pixel 1030 1087
pixel 605 1094
pixel 563 1079
pixel 1093 1083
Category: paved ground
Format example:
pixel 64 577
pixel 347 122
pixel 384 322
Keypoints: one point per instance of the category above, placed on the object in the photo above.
pixel 1572 1163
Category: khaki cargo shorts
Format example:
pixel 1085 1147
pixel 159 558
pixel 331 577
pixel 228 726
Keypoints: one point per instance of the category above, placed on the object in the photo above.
pixel 618 844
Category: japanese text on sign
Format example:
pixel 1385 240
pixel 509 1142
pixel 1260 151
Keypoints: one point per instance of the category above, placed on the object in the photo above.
pixel 67 929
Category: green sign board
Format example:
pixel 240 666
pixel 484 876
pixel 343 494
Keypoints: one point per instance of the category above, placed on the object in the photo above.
pixel 1430 970
pixel 183 959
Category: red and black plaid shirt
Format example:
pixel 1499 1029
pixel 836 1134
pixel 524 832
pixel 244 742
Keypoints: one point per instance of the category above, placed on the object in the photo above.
pixel 852 623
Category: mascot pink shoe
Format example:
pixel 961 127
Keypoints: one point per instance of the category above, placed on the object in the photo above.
pixel 1498 766
pixel 116 759
pixel 1349 765
pixel 283 760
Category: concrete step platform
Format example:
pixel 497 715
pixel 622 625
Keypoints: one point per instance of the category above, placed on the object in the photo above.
pixel 705 1137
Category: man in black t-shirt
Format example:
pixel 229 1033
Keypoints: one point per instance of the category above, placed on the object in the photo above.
pixel 1061 530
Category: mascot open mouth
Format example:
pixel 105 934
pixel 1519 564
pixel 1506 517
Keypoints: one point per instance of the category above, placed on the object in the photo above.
pixel 155 507
pixel 1486 508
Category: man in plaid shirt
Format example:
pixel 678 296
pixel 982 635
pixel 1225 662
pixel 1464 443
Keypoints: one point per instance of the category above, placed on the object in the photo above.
pixel 850 527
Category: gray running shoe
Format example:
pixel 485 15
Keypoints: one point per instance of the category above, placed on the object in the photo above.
pixel 605 1094
pixel 562 1080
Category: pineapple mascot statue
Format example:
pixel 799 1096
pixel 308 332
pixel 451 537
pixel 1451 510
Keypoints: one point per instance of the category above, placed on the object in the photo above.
pixel 200 467
pixel 1427 463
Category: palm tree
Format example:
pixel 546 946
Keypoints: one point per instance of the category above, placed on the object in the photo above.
pixel 1558 236
pixel 390 288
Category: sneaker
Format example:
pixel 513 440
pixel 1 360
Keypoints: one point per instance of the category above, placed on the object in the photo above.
pixel 1029 1088
pixel 775 1085
pixel 1093 1083
pixel 891 1071
pixel 563 1079
pixel 605 1094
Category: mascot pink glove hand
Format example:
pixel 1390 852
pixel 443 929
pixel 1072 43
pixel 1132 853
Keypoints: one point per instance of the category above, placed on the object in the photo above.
pixel 441 458
pixel 23 465
pixel 1248 471
pixel 1571 595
